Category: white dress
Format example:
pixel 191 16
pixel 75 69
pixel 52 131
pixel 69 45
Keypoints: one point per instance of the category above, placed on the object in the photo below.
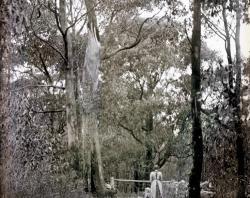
pixel 155 179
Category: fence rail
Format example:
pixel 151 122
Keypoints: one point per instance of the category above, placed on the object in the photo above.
pixel 131 180
pixel 133 188
pixel 140 181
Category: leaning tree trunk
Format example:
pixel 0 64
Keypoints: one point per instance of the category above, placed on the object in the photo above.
pixel 5 30
pixel 240 148
pixel 197 143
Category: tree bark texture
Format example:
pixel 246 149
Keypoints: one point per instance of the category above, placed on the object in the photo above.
pixel 240 143
pixel 148 144
pixel 229 54
pixel 90 97
pixel 5 31
pixel 71 114
pixel 197 142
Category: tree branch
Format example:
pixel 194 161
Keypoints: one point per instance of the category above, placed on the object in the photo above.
pixel 214 28
pixel 132 45
pixel 37 86
pixel 45 70
pixel 43 40
pixel 185 28
pixel 50 111
pixel 131 132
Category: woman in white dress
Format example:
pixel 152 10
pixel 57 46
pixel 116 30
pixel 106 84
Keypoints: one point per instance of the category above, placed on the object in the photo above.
pixel 156 185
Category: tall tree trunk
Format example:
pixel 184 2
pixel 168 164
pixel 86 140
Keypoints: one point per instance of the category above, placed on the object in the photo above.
pixel 231 100
pixel 240 150
pixel 136 176
pixel 93 155
pixel 149 147
pixel 91 99
pixel 197 142
pixel 229 54
pixel 5 31
pixel 246 123
pixel 71 115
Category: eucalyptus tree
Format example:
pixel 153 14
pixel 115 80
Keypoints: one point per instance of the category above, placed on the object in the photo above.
pixel 197 139
pixel 240 143
pixel 81 80
pixel 71 115
pixel 232 81
pixel 90 102
pixel 138 90
pixel 47 61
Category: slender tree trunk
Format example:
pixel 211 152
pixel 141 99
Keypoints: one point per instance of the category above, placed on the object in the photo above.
pixel 5 30
pixel 231 100
pixel 240 144
pixel 149 147
pixel 246 124
pixel 229 55
pixel 136 176
pixel 71 115
pixel 197 142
